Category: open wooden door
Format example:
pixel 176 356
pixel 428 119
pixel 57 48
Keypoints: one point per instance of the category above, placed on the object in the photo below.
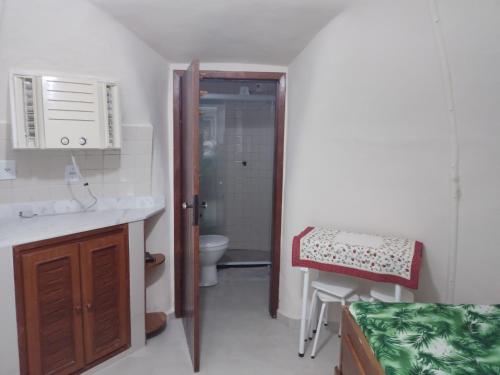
pixel 190 188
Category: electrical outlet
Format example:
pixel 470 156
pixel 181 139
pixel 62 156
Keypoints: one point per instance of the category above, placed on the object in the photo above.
pixel 71 174
pixel 7 169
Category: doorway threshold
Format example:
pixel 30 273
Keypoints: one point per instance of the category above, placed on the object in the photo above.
pixel 243 264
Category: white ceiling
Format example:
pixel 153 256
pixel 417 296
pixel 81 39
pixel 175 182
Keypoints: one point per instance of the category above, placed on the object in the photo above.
pixel 246 31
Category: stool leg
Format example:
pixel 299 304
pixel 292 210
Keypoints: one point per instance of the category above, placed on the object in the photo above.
pixel 326 316
pixel 318 329
pixel 314 321
pixel 342 303
pixel 312 314
pixel 397 293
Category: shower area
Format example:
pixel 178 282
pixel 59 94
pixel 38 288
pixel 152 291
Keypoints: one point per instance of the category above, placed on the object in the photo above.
pixel 237 146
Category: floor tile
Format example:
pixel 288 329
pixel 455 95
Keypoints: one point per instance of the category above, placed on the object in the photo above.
pixel 238 336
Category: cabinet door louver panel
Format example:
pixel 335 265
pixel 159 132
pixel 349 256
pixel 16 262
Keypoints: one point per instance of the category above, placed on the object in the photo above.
pixel 71 111
pixel 105 294
pixel 54 323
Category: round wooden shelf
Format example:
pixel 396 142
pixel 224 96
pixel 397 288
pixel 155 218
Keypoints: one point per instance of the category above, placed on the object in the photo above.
pixel 155 323
pixel 159 259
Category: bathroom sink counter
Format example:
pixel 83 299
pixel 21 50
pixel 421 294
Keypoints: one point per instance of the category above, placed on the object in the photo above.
pixel 59 221
pixel 16 231
pixel 60 218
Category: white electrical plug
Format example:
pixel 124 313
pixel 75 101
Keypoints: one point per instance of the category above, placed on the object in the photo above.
pixel 71 174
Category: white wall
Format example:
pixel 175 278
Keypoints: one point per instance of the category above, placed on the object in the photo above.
pixel 76 37
pixel 110 173
pixel 371 93
pixel 471 33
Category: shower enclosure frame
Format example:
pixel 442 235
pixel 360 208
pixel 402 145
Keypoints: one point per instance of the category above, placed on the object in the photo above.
pixel 280 80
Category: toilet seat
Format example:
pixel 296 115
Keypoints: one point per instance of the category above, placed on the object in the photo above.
pixel 213 242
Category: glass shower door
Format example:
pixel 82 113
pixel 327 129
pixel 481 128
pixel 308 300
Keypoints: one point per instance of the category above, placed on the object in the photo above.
pixel 212 128
pixel 237 135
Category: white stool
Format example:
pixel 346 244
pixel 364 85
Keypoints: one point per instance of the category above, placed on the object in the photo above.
pixel 325 300
pixel 339 291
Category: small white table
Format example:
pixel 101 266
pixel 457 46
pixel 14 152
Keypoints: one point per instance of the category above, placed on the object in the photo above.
pixel 387 259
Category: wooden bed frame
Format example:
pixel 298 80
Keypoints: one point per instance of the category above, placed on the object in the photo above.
pixel 356 355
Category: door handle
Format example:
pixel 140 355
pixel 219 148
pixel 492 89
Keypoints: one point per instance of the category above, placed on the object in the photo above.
pixel 196 209
pixel 204 204
pixel 89 306
pixel 78 309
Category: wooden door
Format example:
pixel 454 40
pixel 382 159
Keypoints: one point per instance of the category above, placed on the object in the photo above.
pixel 105 294
pixel 52 308
pixel 190 189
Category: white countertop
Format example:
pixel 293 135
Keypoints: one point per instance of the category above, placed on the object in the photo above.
pixel 15 230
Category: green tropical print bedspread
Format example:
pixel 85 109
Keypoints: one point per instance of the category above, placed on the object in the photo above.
pixel 432 339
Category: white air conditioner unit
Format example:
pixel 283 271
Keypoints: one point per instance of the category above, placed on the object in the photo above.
pixel 51 112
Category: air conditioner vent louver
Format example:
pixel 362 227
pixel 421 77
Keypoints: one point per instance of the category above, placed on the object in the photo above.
pixel 29 110
pixel 112 115
pixel 111 123
pixel 25 111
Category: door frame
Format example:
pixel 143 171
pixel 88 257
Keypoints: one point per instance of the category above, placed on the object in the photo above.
pixel 280 80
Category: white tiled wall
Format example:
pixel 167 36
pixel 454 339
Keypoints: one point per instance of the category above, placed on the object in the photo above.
pixel 110 173
pixel 244 203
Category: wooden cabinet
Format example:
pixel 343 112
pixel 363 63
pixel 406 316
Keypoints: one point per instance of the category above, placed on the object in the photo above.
pixel 72 297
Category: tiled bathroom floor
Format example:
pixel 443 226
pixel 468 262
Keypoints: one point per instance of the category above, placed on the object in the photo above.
pixel 239 255
pixel 238 337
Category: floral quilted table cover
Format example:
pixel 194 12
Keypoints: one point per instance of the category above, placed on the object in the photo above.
pixel 432 339
pixel 379 258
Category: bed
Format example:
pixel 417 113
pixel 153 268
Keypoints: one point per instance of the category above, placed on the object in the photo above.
pixel 419 339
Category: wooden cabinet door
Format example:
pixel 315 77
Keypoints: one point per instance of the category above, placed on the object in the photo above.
pixel 105 294
pixel 52 306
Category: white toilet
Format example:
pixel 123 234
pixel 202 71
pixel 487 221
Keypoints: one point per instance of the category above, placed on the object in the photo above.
pixel 212 248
